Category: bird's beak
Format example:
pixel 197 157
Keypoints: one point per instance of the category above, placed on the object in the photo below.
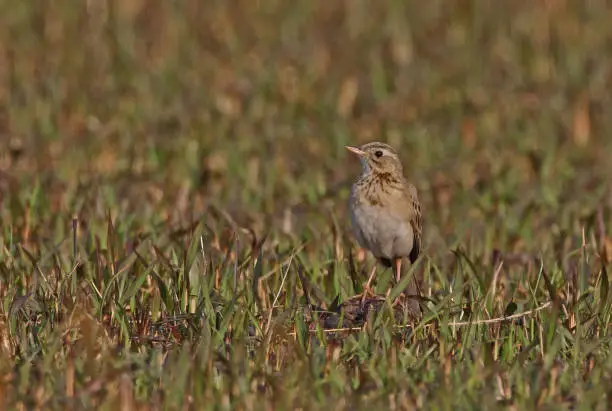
pixel 355 150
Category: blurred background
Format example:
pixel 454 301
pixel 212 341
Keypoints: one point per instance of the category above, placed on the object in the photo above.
pixel 164 107
pixel 148 146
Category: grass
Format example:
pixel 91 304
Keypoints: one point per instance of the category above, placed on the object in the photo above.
pixel 169 170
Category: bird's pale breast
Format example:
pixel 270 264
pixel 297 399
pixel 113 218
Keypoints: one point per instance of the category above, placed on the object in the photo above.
pixel 384 233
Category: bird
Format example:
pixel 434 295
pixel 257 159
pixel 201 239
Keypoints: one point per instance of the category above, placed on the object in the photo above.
pixel 385 211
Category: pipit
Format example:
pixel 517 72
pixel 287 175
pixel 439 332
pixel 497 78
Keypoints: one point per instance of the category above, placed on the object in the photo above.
pixel 385 211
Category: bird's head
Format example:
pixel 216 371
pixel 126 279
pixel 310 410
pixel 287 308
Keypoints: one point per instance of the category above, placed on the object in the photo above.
pixel 377 158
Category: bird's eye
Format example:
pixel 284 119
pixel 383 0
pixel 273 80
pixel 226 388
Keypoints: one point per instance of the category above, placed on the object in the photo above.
pixel 378 153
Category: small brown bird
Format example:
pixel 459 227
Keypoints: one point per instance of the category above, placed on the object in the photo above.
pixel 385 210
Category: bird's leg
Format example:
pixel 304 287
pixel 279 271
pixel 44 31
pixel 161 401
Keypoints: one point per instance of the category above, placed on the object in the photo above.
pixel 398 270
pixel 367 290
pixel 370 278
pixel 398 274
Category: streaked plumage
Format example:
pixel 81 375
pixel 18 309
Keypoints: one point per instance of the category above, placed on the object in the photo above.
pixel 385 209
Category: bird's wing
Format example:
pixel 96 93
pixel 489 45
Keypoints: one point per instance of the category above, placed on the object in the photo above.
pixel 414 216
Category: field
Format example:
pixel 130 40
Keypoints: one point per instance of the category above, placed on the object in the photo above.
pixel 173 203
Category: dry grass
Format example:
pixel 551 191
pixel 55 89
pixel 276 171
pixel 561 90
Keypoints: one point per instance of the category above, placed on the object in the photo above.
pixel 173 182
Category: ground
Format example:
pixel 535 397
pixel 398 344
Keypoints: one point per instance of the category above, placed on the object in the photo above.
pixel 173 203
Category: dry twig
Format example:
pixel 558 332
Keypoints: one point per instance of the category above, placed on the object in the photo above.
pixel 453 324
